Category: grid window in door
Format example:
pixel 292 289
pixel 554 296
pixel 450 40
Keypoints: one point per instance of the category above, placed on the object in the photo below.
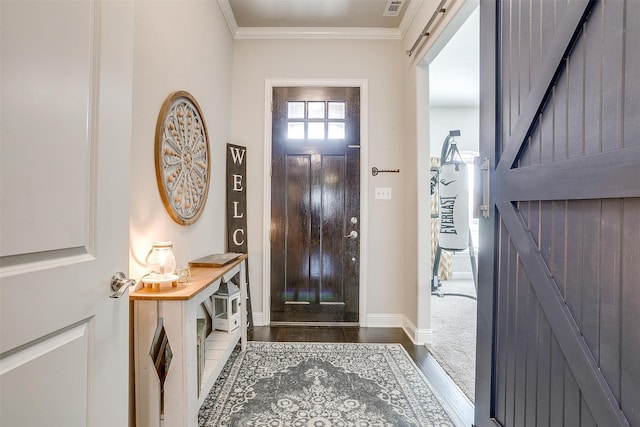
pixel 316 120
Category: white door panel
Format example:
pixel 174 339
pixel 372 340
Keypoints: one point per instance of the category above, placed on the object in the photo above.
pixel 67 70
pixel 46 94
pixel 50 375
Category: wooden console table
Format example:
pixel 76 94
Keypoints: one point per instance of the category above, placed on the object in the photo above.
pixel 168 318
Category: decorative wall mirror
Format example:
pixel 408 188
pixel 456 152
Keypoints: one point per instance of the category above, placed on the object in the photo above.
pixel 182 157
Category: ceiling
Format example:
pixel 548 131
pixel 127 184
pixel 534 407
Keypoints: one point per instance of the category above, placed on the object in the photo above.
pixel 296 19
pixel 316 13
pixel 453 73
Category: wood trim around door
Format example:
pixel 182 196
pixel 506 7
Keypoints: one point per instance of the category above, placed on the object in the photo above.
pixel 363 84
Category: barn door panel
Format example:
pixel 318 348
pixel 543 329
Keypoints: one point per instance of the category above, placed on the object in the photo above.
pixel 559 301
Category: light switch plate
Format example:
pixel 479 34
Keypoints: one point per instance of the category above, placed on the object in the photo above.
pixel 383 193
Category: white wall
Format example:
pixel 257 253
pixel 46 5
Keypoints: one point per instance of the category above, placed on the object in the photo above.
pixel 378 62
pixel 179 45
pixel 444 119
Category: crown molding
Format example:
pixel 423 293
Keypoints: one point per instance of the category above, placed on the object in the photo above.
pixel 227 12
pixel 319 33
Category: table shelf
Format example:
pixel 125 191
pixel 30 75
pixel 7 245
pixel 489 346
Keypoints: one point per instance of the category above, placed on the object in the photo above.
pixel 218 347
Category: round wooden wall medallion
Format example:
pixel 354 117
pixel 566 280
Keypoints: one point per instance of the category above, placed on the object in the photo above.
pixel 182 157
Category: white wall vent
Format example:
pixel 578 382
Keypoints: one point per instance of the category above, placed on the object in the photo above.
pixel 393 8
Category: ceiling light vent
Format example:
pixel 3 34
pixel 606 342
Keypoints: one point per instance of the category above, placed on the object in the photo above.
pixel 393 8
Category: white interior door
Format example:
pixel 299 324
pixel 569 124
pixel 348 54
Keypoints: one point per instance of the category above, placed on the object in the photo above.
pixel 65 141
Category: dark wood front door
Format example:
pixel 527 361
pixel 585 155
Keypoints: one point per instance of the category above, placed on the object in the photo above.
pixel 315 204
pixel 559 292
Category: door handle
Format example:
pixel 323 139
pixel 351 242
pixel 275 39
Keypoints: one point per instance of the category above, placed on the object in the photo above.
pixel 484 206
pixel 120 283
pixel 352 235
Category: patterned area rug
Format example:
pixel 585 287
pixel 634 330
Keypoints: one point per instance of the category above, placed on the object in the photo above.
pixel 322 384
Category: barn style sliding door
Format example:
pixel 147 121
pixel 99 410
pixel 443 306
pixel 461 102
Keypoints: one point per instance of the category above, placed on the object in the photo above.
pixel 559 291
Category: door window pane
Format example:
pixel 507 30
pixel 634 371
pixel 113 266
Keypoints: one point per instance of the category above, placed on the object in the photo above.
pixel 295 110
pixel 336 110
pixel 336 130
pixel 316 130
pixel 323 120
pixel 316 110
pixel 295 130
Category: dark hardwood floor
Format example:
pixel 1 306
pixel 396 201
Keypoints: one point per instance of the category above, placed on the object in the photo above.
pixel 451 396
pixel 341 335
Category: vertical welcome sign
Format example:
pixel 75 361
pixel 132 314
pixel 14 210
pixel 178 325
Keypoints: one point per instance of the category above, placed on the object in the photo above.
pixel 236 199
pixel 237 209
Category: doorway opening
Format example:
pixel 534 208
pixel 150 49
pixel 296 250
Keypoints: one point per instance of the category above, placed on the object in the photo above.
pixel 454 121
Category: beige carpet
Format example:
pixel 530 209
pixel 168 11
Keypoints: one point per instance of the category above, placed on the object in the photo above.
pixel 453 322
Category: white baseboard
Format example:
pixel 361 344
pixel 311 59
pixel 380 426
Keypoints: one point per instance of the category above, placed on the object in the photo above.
pixel 258 319
pixel 384 320
pixel 423 337
pixel 418 336
pixel 461 266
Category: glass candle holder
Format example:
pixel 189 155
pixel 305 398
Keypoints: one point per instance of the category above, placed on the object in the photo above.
pixel 161 262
